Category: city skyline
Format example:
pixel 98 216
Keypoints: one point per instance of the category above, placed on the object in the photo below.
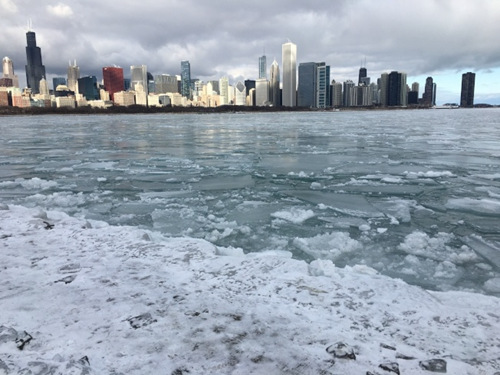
pixel 226 39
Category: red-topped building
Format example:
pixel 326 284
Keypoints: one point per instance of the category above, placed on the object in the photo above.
pixel 113 80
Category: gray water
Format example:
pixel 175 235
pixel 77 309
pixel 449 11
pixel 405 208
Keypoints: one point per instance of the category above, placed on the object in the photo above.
pixel 412 194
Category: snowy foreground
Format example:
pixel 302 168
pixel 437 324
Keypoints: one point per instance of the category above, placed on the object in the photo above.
pixel 82 297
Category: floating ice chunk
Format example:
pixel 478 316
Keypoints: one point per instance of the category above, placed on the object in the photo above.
pixel 294 215
pixel 381 230
pixel 420 244
pixel 316 186
pixel 351 204
pixel 396 208
pixel 34 183
pixel 483 206
pixel 327 246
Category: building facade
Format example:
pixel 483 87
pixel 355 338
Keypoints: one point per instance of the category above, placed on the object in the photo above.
pixel 289 64
pixel 73 75
pixel 112 77
pixel 139 74
pixel 35 70
pixel 274 84
pixel 428 97
pixel 263 67
pixel 8 71
pixel 87 86
pixel 186 79
pixel 467 93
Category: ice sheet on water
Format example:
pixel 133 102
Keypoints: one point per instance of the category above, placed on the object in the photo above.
pixel 350 204
pixel 482 206
pixel 224 183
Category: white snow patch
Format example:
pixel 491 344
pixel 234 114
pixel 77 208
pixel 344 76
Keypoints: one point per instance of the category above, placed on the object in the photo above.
pixel 101 299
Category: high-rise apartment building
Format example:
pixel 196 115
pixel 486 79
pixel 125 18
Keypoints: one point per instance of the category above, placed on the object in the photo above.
pixel 35 70
pixel 274 89
pixel 8 71
pixel 396 89
pixel 58 81
pixel 139 74
pixel 166 83
pixel 313 90
pixel 112 77
pixel 336 94
pixel 289 64
pixel 87 86
pixel 467 94
pixel 73 75
pixel 186 79
pixel 240 95
pixel 261 92
pixel 263 67
pixel 428 97
pixel 224 90
pixel 348 93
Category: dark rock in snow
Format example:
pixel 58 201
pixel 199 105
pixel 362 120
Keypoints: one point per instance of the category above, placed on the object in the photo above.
pixel 341 350
pixel 405 357
pixel 390 366
pixel 66 280
pixel 434 365
pixel 142 320
pixel 385 346
pixel 23 339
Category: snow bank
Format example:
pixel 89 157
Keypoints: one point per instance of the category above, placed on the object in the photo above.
pixel 82 297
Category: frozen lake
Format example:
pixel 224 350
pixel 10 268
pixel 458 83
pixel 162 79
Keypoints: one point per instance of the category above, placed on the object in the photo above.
pixel 412 194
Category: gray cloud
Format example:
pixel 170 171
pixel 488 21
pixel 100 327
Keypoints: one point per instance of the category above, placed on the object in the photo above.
pixel 223 37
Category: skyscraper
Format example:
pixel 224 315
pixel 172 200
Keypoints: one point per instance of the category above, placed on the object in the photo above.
pixel 73 75
pixel 467 94
pixel 313 90
pixel 396 89
pixel 224 90
pixel 139 74
pixel 289 63
pixel 186 79
pixel 262 67
pixel 275 97
pixel 35 70
pixel 87 86
pixel 112 77
pixel 428 96
pixel 362 75
pixel 56 81
pixel 8 71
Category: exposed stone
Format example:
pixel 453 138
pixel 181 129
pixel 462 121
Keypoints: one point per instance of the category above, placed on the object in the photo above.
pixel 341 350
pixel 434 365
pixel 142 320
pixel 405 357
pixel 385 346
pixel 23 339
pixel 390 366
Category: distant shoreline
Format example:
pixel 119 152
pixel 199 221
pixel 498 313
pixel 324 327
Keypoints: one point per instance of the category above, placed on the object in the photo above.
pixel 137 109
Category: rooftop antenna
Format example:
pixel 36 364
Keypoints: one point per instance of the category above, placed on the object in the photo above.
pixel 30 24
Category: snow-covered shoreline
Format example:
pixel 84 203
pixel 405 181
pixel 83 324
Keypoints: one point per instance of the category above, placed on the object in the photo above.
pixel 79 297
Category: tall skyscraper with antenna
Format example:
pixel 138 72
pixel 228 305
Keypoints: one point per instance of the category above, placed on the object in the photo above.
pixel 289 64
pixel 35 70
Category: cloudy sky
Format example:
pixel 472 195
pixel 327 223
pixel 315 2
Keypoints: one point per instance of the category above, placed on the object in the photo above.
pixel 438 38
